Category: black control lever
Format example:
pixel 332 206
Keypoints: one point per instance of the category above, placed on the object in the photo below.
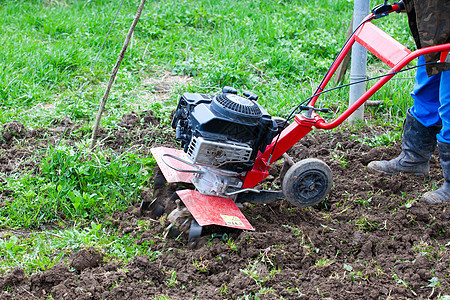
pixel 382 10
pixel 310 109
pixel 250 95
pixel 229 90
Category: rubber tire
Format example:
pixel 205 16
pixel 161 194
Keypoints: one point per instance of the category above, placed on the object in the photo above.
pixel 312 173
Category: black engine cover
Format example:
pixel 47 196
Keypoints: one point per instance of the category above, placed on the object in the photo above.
pixel 224 118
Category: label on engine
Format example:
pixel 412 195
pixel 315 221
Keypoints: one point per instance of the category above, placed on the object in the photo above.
pixel 232 220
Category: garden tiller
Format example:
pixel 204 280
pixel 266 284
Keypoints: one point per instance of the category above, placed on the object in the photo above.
pixel 229 143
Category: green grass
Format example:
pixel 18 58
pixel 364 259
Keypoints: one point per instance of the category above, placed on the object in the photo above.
pixel 278 49
pixel 75 185
pixel 39 251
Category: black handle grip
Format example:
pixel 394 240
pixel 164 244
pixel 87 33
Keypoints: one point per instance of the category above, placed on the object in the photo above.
pixel 382 10
pixel 304 107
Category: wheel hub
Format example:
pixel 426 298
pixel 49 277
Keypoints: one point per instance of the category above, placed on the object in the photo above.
pixel 307 182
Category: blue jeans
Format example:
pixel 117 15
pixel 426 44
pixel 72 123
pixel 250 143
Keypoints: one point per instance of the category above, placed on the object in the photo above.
pixel 431 97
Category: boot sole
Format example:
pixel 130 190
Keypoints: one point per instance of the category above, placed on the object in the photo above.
pixel 376 171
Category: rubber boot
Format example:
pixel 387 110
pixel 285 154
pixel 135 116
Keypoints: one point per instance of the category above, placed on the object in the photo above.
pixel 443 193
pixel 418 144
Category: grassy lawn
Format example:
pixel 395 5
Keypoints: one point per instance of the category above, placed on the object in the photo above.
pixel 278 49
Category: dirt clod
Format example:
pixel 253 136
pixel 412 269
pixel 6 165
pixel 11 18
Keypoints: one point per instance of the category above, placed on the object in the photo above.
pixel 13 277
pixel 85 258
pixel 129 121
pixel 13 129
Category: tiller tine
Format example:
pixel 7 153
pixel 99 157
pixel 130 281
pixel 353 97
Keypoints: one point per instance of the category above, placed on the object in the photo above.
pixel 212 210
pixel 195 231
pixel 261 197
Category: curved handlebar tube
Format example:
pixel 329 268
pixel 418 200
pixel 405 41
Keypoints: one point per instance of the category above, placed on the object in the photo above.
pixel 374 40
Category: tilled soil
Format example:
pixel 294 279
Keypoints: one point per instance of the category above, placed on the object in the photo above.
pixel 371 239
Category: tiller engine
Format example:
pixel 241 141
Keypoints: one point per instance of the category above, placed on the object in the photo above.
pixel 222 135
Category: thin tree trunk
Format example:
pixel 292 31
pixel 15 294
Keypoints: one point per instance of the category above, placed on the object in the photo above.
pixel 113 75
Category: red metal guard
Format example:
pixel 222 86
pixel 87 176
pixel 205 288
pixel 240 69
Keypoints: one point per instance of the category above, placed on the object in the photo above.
pixel 169 173
pixel 211 210
pixel 381 44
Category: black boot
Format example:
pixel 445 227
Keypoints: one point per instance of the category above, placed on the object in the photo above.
pixel 443 193
pixel 418 144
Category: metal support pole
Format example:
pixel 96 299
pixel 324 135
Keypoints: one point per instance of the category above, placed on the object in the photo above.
pixel 359 60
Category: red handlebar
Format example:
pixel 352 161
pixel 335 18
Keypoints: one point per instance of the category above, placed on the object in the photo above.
pixel 395 7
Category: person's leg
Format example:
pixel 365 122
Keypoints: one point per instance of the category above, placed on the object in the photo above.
pixel 444 109
pixel 426 97
pixel 443 193
pixel 421 125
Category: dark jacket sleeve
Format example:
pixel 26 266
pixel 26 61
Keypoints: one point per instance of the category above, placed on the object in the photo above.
pixel 429 21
